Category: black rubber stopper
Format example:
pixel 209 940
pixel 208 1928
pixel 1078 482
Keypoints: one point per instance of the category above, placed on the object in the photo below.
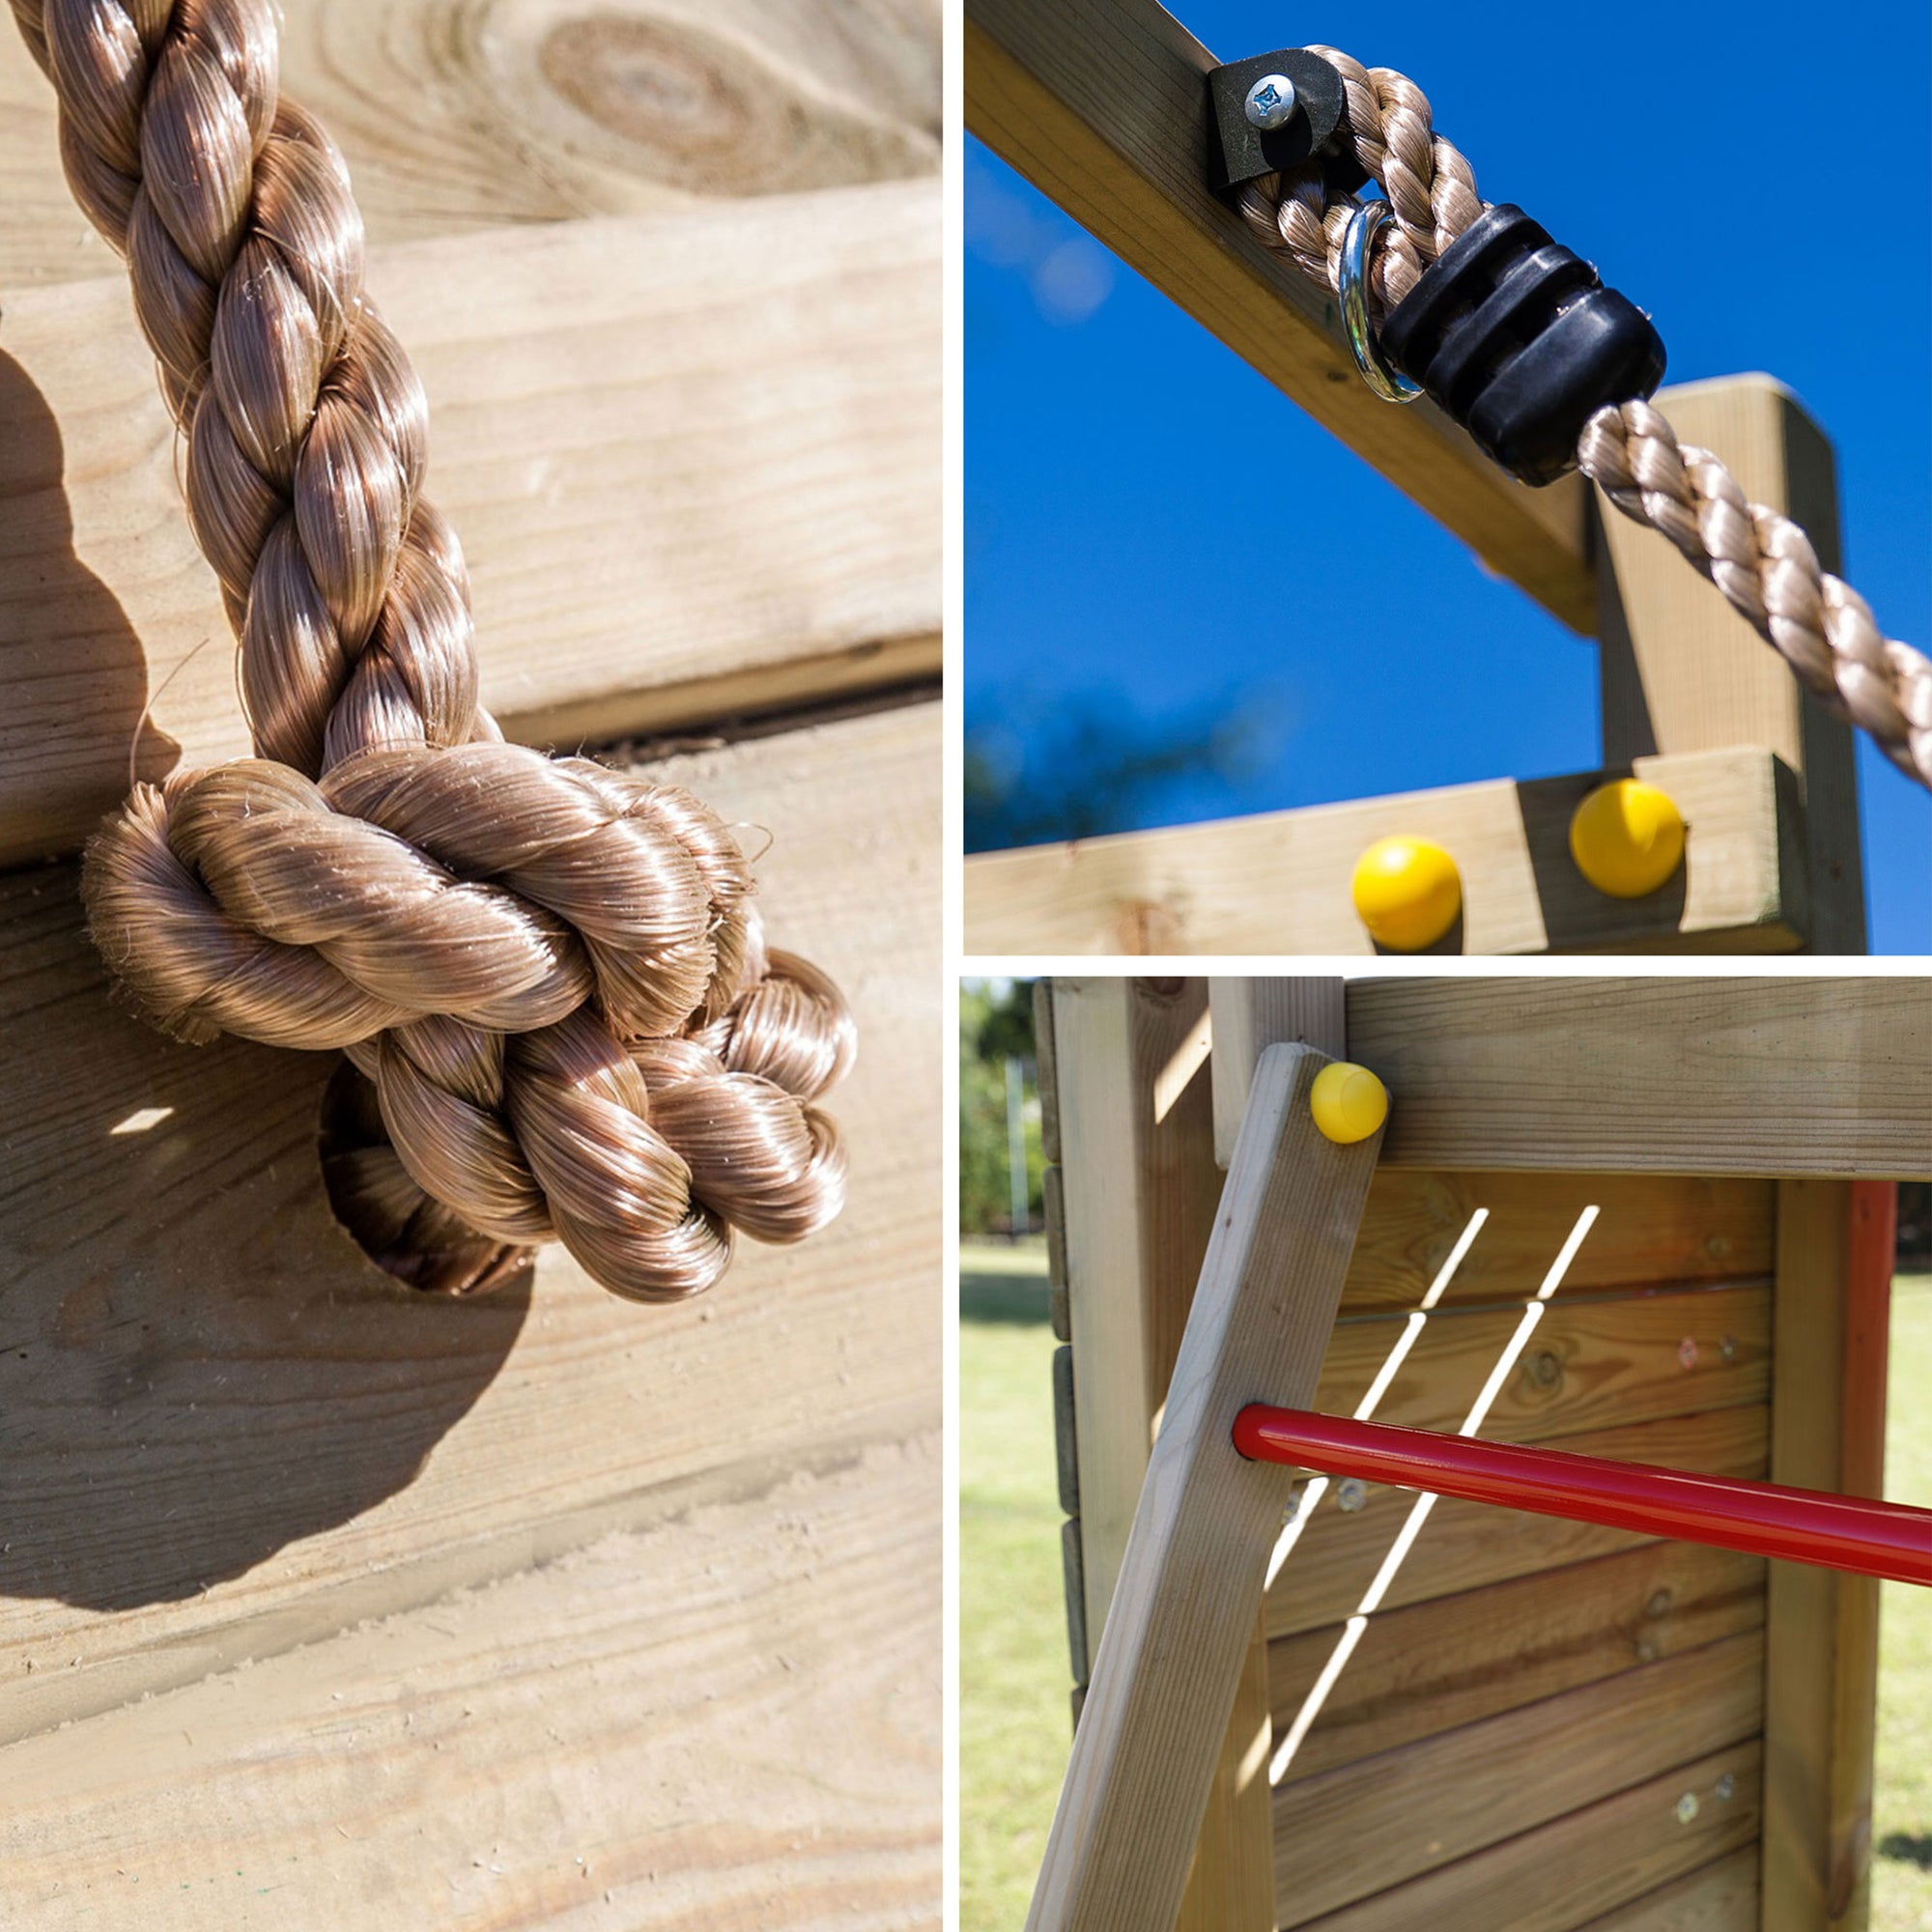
pixel 1518 340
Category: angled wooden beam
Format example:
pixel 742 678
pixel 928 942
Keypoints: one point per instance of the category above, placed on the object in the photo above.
pixel 1279 882
pixel 1183 1618
pixel 1757 1075
pixel 1102 105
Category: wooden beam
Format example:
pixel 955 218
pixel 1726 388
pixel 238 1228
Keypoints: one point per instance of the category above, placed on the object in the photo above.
pixel 560 109
pixel 1821 1658
pixel 1682 672
pixel 1251 1015
pixel 1760 1075
pixel 694 460
pixel 1138 1196
pixel 1184 1612
pixel 1102 105
pixel 1279 882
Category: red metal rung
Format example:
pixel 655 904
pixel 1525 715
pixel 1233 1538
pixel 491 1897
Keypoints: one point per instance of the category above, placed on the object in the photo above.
pixel 1874 1539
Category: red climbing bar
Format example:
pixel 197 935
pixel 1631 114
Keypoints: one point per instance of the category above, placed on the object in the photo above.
pixel 1875 1539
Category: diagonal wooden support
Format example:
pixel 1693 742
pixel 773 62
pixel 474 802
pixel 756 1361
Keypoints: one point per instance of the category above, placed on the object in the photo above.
pixel 1184 1609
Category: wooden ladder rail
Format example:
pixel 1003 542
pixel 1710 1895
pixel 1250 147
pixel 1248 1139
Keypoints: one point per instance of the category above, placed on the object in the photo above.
pixel 1182 1615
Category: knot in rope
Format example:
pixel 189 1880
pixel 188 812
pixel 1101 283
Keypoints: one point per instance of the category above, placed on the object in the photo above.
pixel 550 973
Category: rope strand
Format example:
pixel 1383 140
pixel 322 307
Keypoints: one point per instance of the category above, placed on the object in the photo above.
pixel 550 972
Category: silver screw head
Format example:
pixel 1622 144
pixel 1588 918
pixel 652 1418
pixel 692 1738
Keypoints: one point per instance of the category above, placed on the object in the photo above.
pixel 1687 1353
pixel 1727 1786
pixel 1270 103
pixel 1687 1808
pixel 1350 1493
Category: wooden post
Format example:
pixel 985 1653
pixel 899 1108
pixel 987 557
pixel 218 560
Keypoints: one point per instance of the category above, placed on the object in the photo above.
pixel 1821 1648
pixel 1682 672
pixel 1252 1014
pixel 1181 1626
pixel 1135 1201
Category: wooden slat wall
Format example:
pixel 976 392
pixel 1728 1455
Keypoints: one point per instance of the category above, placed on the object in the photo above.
pixel 692 449
pixel 491 1584
pixel 320 1605
pixel 1508 1743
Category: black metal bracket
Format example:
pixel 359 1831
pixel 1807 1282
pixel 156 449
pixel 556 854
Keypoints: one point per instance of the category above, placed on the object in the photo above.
pixel 1239 152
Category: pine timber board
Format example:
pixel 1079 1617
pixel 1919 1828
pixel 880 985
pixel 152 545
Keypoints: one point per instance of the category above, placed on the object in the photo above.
pixel 1438 1800
pixel 1609 1854
pixel 1721 1898
pixel 1278 882
pixel 1102 105
pixel 693 458
pixel 1760 1075
pixel 240 1472
pixel 1589 1364
pixel 458 117
pixel 1650 1228
pixel 1433 1667
pixel 1465 1545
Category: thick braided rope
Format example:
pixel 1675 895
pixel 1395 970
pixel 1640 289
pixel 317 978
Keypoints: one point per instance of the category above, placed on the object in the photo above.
pixel 1758 557
pixel 550 972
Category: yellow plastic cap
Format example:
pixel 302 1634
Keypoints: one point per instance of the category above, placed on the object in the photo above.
pixel 1408 892
pixel 1348 1102
pixel 1627 839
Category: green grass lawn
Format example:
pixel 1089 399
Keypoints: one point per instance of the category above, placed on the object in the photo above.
pixel 1013 1728
pixel 1014 1674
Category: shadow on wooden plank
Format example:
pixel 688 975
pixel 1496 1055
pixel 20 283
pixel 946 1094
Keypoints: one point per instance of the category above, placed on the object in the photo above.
pixel 61 626
pixel 197 1366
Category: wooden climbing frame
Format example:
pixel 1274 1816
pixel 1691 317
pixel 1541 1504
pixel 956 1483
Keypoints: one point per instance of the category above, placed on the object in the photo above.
pixel 1692 701
pixel 1640 1219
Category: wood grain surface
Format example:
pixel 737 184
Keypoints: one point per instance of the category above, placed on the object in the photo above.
pixel 1278 882
pixel 1464 1790
pixel 1764 1075
pixel 494 1584
pixel 693 458
pixel 463 114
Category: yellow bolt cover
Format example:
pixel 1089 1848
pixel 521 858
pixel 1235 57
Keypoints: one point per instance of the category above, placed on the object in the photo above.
pixel 1408 892
pixel 1348 1102
pixel 1627 839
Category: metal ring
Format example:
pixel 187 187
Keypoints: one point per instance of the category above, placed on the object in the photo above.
pixel 1378 372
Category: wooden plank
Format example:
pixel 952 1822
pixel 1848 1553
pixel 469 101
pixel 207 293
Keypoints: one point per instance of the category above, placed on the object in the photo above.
pixel 1649 1229
pixel 1468 1545
pixel 1418 1672
pixel 1438 1800
pixel 1588 1363
pixel 1182 1616
pixel 1251 1014
pixel 1139 1192
pixel 727 1716
pixel 1682 672
pixel 561 108
pixel 693 459
pixel 224 1434
pixel 1752 1075
pixel 1278 882
pixel 1822 1639
pixel 1722 1898
pixel 1607 1855
pixel 1100 103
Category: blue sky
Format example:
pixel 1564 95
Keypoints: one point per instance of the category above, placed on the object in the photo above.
pixel 1156 539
